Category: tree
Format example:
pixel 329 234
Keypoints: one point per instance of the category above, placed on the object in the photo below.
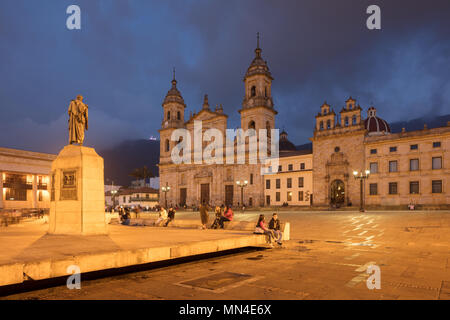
pixel 142 173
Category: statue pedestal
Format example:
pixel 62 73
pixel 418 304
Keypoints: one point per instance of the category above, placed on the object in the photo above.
pixel 77 195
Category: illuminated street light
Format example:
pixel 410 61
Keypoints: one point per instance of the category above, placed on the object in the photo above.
pixel 362 177
pixel 242 185
pixel 165 189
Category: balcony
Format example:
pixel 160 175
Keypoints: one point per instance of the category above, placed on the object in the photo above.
pixel 42 186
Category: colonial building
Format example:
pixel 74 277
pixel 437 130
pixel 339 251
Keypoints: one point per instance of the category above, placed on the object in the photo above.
pixel 406 167
pixel 292 183
pixel 193 184
pixel 24 179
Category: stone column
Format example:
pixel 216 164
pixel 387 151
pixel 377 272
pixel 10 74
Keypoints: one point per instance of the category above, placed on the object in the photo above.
pixel 1 190
pixel 34 201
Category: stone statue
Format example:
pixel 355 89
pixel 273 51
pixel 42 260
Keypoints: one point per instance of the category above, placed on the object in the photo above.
pixel 78 120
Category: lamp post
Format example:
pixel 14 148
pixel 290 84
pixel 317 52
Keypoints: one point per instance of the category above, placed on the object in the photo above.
pixel 361 177
pixel 242 185
pixel 165 190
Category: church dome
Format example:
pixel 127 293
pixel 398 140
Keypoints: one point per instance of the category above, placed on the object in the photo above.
pixel 258 65
pixel 375 125
pixel 284 143
pixel 174 95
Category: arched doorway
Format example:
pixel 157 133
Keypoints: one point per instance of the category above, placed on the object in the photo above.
pixel 337 193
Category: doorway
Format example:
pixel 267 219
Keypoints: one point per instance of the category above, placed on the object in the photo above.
pixel 204 193
pixel 337 193
pixel 229 195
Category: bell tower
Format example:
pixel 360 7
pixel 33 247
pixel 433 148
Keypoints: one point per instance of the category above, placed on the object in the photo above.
pixel 257 107
pixel 173 106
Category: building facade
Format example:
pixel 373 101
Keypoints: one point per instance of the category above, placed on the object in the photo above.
pixel 405 168
pixel 24 179
pixel 192 184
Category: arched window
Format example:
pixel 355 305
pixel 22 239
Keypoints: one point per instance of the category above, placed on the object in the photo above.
pixel 178 115
pixel 328 124
pixel 354 120
pixel 251 125
pixel 253 91
pixel 268 129
pixel 346 121
pixel 167 145
pixel 321 125
pixel 265 92
pixel 168 115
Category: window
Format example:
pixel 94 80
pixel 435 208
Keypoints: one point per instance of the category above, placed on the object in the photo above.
pixel 437 163
pixel 178 115
pixel 265 92
pixel 414 187
pixel 39 195
pixel 168 115
pixel 337 149
pixel 277 196
pixel 280 168
pixel 290 168
pixel 413 164
pixel 393 149
pixel 321 125
pixel 392 187
pixel 267 184
pixel 373 151
pixel 268 200
pixel 393 166
pixel 302 166
pixel 414 147
pixel 374 167
pixel 167 145
pixel 251 178
pixel 147 195
pixel 328 124
pixel 437 144
pixel 354 120
pixel 124 199
pixel 436 186
pixel 251 125
pixel 289 196
pixel 278 182
pixel 289 182
pixel 300 196
pixel 373 189
pixel 16 194
pixel 346 121
pixel 300 182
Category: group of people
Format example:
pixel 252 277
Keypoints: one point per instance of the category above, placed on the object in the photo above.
pixel 273 230
pixel 165 217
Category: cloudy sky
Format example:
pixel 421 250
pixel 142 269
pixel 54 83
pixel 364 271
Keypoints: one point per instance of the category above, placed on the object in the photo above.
pixel 122 58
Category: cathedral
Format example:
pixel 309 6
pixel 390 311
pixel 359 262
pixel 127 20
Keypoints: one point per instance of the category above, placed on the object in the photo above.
pixel 403 168
pixel 216 184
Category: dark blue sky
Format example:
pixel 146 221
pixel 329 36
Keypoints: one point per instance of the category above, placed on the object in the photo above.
pixel 121 62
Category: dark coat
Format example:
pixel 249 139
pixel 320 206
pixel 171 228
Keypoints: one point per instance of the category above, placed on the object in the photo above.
pixel 274 224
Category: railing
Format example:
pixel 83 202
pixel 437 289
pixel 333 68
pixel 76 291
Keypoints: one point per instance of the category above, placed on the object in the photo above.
pixel 9 183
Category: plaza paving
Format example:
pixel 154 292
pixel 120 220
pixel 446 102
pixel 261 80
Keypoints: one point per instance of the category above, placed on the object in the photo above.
pixel 326 258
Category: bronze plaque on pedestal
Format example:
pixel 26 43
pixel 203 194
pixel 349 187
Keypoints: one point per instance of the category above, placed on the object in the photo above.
pixel 68 185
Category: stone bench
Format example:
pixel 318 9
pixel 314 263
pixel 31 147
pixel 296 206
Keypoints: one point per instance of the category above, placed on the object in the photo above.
pixel 194 224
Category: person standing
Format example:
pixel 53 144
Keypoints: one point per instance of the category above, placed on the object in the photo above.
pixel 204 214
pixel 274 226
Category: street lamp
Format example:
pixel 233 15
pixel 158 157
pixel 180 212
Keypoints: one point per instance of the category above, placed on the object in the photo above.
pixel 242 185
pixel 361 177
pixel 165 190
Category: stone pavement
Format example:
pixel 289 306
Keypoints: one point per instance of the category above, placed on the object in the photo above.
pixel 28 251
pixel 327 258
